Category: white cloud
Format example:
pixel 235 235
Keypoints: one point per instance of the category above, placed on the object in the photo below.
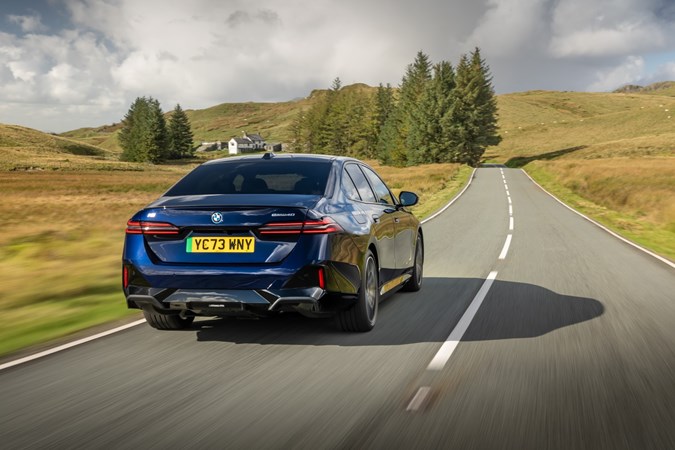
pixel 509 27
pixel 204 52
pixel 630 70
pixel 605 28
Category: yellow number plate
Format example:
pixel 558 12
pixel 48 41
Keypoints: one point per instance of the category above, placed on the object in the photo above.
pixel 209 244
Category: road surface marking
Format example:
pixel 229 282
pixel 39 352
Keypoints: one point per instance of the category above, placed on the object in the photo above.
pixel 650 253
pixel 509 198
pixel 418 399
pixel 448 347
pixel 60 348
pixel 505 249
pixel 506 186
pixel 451 201
pixel 511 223
pixel 510 210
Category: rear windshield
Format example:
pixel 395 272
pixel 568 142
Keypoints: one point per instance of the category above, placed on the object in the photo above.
pixel 255 177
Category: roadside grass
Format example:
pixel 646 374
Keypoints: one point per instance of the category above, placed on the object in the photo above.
pixel 633 197
pixel 63 232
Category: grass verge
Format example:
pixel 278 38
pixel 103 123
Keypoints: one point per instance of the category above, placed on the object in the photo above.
pixel 648 225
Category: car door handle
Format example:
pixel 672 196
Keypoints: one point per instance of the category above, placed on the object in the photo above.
pixel 396 220
pixel 376 219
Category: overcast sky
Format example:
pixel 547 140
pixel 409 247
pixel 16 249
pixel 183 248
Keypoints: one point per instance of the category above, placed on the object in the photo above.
pixel 66 64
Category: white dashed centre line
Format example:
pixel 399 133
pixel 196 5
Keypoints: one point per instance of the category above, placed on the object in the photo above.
pixel 451 342
pixel 505 249
pixel 418 399
pixel 447 349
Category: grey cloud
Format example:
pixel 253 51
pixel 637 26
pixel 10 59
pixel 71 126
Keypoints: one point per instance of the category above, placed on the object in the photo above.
pixel 241 18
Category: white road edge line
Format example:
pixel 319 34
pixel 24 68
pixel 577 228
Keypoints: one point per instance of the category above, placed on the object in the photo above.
pixel 418 399
pixel 442 210
pixel 60 348
pixel 599 225
pixel 505 249
pixel 511 223
pixel 448 347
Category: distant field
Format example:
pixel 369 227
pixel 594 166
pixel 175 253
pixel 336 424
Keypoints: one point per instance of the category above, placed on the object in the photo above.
pixel 63 232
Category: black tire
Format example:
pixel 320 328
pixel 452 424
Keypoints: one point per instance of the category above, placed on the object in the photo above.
pixel 362 315
pixel 166 321
pixel 414 284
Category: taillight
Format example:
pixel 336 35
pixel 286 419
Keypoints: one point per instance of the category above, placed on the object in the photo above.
pixel 125 277
pixel 322 278
pixel 143 227
pixel 325 225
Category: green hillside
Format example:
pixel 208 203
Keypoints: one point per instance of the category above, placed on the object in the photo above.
pixel 24 149
pixel 540 122
pixel 222 122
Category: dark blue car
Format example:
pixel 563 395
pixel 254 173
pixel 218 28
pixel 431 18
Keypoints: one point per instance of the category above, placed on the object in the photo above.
pixel 263 235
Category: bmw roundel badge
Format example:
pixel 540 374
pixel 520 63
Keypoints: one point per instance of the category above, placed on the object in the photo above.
pixel 216 217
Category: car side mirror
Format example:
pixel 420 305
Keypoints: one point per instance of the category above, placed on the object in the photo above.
pixel 407 198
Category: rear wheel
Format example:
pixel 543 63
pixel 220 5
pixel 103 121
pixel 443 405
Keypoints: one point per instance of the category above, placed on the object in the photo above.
pixel 415 282
pixel 166 321
pixel 363 314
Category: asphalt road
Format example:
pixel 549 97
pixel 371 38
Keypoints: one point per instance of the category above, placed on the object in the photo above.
pixel 573 347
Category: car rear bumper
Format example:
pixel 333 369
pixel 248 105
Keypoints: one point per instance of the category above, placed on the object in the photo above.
pixel 219 302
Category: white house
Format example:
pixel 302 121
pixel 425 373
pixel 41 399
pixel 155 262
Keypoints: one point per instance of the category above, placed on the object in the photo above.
pixel 248 143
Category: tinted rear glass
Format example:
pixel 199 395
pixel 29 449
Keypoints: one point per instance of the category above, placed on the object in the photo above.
pixel 255 177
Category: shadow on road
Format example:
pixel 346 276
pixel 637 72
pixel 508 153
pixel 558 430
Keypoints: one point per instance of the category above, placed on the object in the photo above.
pixel 510 311
pixel 520 161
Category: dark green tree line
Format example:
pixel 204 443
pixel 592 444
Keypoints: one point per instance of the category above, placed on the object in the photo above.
pixel 438 114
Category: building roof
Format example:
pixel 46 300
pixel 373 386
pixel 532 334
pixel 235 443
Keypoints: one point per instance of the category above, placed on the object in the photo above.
pixel 241 141
pixel 254 137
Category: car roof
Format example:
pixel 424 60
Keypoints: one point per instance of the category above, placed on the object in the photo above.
pixel 281 156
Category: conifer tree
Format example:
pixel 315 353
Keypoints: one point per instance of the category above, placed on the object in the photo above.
pixel 412 88
pixel 471 122
pixel 143 136
pixel 180 135
pixel 156 140
pixel 131 135
pixel 426 141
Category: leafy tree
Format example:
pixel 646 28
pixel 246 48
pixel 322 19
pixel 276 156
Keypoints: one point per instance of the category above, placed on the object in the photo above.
pixel 180 135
